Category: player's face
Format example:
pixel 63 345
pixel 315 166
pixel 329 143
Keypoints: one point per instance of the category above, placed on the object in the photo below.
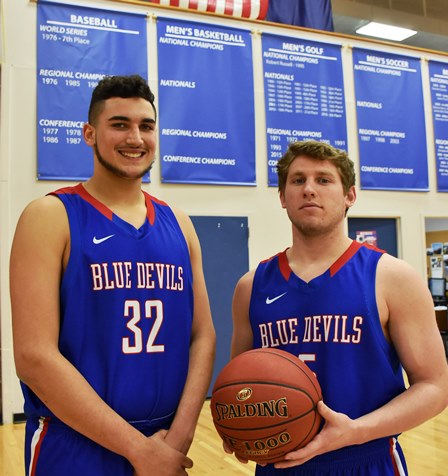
pixel 314 197
pixel 124 137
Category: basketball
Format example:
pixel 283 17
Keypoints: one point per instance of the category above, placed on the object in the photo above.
pixel 264 404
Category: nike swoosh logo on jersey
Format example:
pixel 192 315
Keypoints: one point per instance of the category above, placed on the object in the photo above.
pixel 97 241
pixel 270 301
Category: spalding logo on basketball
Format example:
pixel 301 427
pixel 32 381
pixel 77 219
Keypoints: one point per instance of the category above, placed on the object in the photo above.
pixel 264 404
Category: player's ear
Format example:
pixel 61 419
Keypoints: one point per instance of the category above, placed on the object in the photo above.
pixel 88 132
pixel 350 197
pixel 281 195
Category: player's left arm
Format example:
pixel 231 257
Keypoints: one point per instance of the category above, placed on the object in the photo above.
pixel 411 326
pixel 202 349
pixel 408 319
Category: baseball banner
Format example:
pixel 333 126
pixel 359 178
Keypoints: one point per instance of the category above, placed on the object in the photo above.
pixel 76 48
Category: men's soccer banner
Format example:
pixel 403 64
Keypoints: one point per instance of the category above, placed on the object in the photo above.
pixel 304 95
pixel 76 47
pixel 391 121
pixel 438 78
pixel 206 102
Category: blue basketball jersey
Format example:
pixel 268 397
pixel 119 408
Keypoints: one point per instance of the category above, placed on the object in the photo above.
pixel 126 307
pixel 332 323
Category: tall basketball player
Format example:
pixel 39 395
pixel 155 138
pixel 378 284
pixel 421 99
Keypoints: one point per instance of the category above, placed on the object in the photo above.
pixel 113 337
pixel 356 315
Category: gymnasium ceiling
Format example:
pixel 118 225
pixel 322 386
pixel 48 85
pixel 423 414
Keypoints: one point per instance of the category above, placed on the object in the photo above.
pixel 428 17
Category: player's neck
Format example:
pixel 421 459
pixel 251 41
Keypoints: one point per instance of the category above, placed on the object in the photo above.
pixel 115 191
pixel 311 256
pixel 123 197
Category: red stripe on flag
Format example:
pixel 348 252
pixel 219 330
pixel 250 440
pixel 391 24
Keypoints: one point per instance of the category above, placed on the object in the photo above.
pixel 264 4
pixel 229 7
pixel 245 13
pixel 211 6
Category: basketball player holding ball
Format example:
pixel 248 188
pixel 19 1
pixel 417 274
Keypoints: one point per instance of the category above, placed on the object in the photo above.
pixel 354 314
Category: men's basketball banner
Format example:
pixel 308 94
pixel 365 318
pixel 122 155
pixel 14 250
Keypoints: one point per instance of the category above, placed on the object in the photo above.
pixel 438 77
pixel 391 121
pixel 206 103
pixel 77 47
pixel 253 9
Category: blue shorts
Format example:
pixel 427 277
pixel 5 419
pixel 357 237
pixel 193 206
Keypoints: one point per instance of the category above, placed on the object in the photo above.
pixel 382 457
pixel 54 449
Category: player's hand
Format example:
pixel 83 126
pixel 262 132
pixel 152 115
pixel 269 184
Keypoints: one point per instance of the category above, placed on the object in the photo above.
pixel 338 431
pixel 229 451
pixel 161 459
pixel 239 458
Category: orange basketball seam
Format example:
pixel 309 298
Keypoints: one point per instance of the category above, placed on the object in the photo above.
pixel 264 382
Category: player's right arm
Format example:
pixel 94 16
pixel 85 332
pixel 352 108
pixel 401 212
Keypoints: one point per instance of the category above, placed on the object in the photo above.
pixel 39 253
pixel 242 336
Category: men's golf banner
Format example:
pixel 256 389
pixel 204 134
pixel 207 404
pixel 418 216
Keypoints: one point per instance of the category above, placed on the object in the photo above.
pixel 206 102
pixel 76 47
pixel 391 121
pixel 304 95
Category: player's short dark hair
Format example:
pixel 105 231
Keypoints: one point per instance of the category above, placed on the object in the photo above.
pixel 133 86
pixel 319 151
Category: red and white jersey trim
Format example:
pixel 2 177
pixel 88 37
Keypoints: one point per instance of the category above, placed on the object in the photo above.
pixel 252 9
pixel 36 443
pixel 398 465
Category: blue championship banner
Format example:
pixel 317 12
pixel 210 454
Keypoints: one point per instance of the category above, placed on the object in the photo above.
pixel 76 47
pixel 206 102
pixel 391 122
pixel 438 77
pixel 304 95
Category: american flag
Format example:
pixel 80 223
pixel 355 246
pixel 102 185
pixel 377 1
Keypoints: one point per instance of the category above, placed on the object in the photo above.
pixel 252 9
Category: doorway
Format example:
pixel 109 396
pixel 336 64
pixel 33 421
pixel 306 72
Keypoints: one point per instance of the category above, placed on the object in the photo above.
pixel 225 255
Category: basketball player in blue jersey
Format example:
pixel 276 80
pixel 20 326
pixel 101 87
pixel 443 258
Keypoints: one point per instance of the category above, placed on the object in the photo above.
pixel 113 337
pixel 354 314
